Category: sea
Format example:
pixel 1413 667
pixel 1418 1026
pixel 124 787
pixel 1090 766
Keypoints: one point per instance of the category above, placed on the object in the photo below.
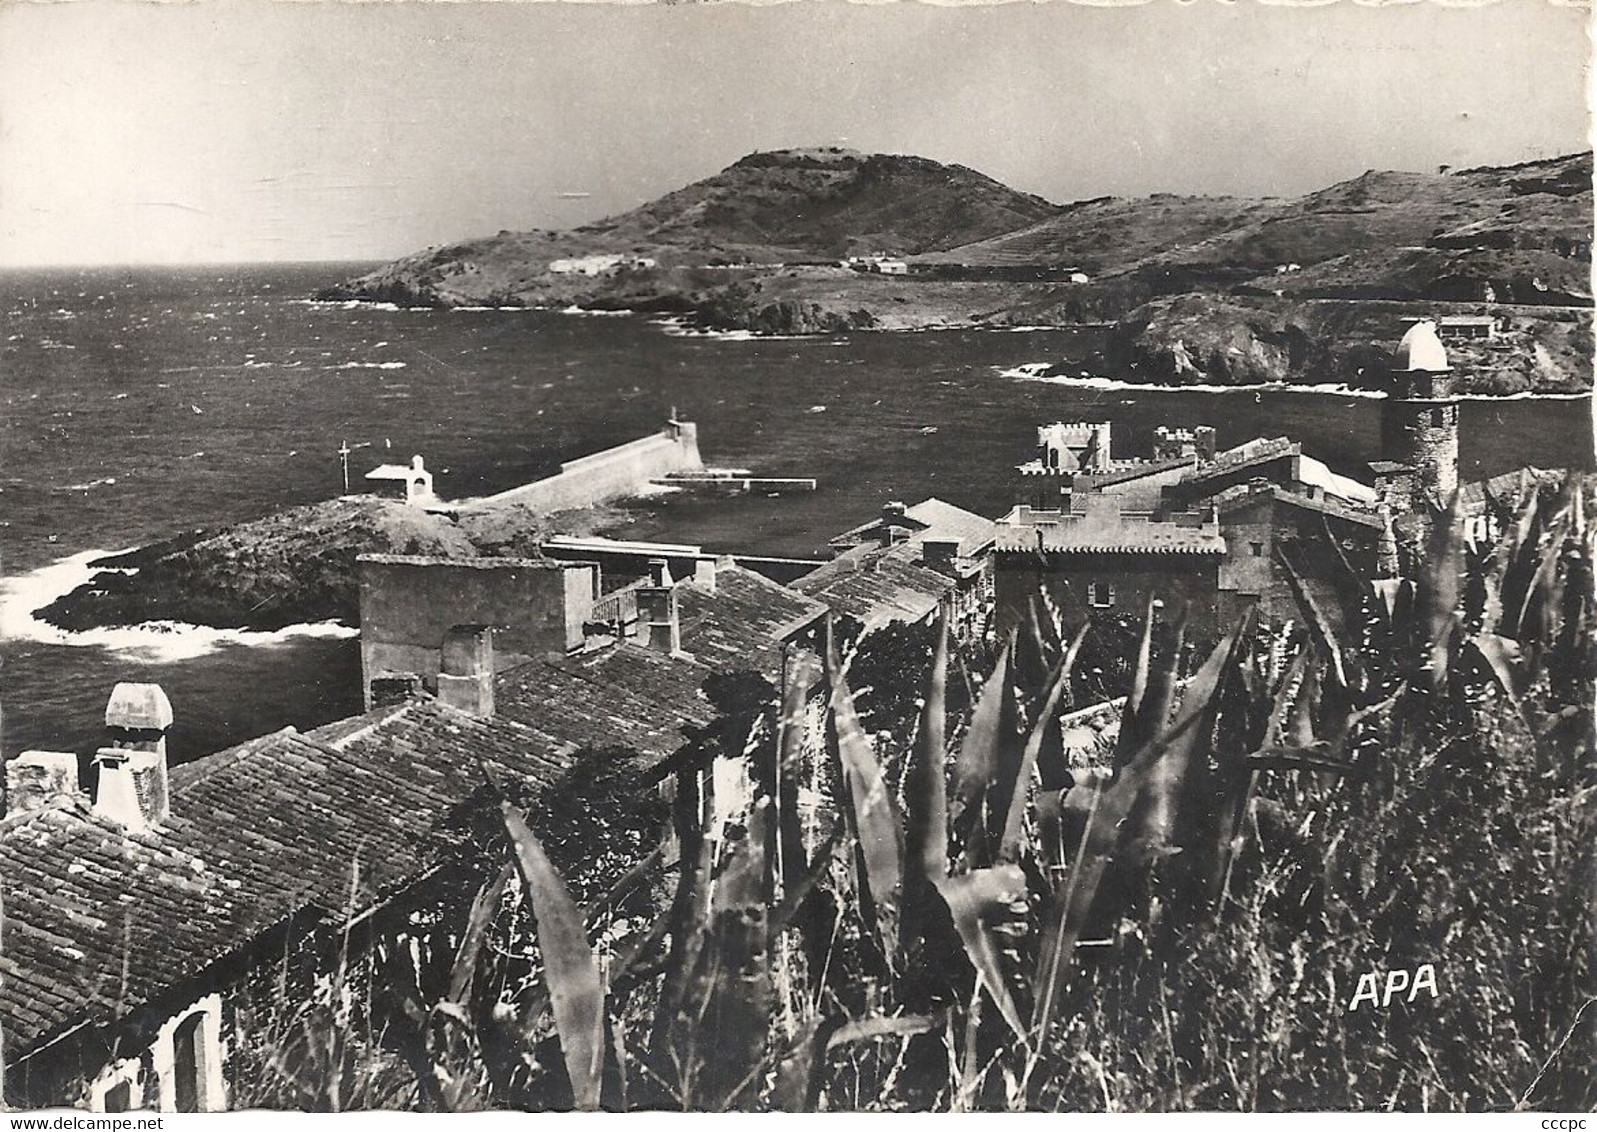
pixel 142 402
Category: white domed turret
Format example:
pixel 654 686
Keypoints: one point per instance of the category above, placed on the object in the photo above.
pixel 1421 349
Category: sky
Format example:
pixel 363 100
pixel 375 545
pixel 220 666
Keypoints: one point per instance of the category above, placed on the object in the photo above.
pixel 251 130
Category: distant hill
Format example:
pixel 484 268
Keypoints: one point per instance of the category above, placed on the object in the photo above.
pixel 826 203
pixel 785 206
pixel 1436 235
pixel 1107 234
pixel 757 246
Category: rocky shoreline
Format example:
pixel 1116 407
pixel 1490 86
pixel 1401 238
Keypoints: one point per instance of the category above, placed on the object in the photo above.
pixel 293 567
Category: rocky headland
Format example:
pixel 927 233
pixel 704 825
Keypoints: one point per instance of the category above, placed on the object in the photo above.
pixel 295 566
pixel 1219 290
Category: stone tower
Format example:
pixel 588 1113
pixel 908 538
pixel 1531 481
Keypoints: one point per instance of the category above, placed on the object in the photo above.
pixel 1419 419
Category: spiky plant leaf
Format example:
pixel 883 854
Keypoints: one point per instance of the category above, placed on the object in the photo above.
pixel 571 971
pixel 483 908
pixel 1009 842
pixel 926 792
pixel 975 901
pixel 976 765
pixel 872 818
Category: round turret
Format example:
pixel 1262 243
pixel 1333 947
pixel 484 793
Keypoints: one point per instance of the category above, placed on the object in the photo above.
pixel 1421 350
pixel 1419 418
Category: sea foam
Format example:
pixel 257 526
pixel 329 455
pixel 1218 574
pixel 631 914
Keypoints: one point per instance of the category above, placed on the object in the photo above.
pixel 1038 371
pixel 22 596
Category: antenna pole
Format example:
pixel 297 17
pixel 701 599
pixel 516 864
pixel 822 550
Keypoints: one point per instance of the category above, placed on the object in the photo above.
pixel 343 456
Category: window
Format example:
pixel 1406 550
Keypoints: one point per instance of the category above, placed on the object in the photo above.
pixel 1101 595
pixel 1257 548
pixel 118 1098
pixel 119 1089
pixel 188 1059
pixel 1438 417
pixel 188 1064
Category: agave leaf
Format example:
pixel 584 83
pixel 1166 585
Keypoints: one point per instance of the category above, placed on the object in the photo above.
pixel 1518 559
pixel 790 769
pixel 1316 756
pixel 1440 584
pixel 976 766
pixel 1009 843
pixel 1535 622
pixel 576 989
pixel 1031 657
pixel 1290 694
pixel 1167 776
pixel 1300 722
pixel 734 997
pixel 1501 657
pixel 794 897
pixel 1163 677
pixel 483 909
pixel 974 899
pixel 926 792
pixel 1131 738
pixel 873 819
pixel 796 1085
pixel 1067 916
pixel 1319 626
pixel 898 1026
pixel 1045 617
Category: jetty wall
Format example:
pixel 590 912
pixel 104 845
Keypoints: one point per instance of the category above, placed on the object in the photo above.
pixel 408 603
pixel 610 474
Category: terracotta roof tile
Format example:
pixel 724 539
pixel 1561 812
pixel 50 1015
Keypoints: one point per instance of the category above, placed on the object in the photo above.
pixel 876 585
pixel 98 919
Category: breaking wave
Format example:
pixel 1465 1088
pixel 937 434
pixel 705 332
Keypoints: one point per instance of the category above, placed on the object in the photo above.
pixel 680 328
pixel 348 304
pixel 1039 371
pixel 22 596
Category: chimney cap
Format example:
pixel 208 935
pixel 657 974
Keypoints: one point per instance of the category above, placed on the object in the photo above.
pixel 660 573
pixel 138 707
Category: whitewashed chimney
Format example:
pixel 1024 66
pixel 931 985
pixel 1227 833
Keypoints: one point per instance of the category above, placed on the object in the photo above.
pixel 658 615
pixel 466 670
pixel 36 778
pixel 131 784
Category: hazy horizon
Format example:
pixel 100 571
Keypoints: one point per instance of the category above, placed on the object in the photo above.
pixel 247 131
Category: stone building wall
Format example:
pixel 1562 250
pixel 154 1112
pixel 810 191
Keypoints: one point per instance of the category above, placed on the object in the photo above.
pixel 407 604
pixel 1424 434
pixel 1171 578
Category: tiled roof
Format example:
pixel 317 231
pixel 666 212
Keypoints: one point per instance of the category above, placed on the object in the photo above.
pixel 1472 495
pixel 1137 471
pixel 741 623
pixel 1259 451
pixel 876 585
pixel 1242 494
pixel 944 520
pixel 99 920
pixel 624 695
pixel 929 519
pixel 1134 536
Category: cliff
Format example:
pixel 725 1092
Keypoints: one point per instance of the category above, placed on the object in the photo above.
pixel 1223 340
